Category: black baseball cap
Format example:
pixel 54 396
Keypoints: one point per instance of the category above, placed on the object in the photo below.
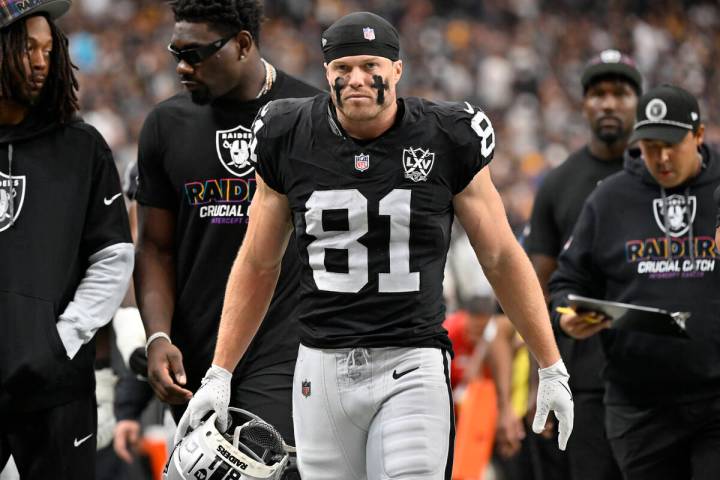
pixel 360 33
pixel 13 10
pixel 608 63
pixel 666 113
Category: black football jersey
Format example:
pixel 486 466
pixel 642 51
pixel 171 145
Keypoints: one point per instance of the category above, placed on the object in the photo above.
pixel 372 218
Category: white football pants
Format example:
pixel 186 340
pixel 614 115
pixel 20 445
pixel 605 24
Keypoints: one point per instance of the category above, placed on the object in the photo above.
pixel 373 413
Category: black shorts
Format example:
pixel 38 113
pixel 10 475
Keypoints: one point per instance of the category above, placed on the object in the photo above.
pixel 266 392
pixel 57 443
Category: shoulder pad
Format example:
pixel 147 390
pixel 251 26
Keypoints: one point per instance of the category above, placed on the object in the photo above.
pixel 464 123
pixel 279 116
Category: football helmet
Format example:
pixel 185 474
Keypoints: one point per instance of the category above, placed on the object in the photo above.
pixel 252 449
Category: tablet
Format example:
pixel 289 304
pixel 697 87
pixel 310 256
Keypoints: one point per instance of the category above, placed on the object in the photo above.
pixel 635 318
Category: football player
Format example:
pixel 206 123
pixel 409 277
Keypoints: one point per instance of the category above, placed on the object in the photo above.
pixel 370 183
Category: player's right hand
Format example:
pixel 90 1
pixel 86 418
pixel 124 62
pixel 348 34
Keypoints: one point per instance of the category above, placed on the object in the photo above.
pixel 166 373
pixel 213 395
pixel 583 325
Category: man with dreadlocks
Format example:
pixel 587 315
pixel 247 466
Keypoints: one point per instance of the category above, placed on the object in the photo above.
pixel 196 182
pixel 67 253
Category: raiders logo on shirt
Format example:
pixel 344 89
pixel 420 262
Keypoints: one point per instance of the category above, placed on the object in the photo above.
pixel 233 149
pixel 12 197
pixel 679 212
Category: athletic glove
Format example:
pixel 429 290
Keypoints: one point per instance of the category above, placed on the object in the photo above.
pixel 554 394
pixel 213 395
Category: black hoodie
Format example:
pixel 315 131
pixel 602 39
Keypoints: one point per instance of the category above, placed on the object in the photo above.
pixel 57 208
pixel 618 252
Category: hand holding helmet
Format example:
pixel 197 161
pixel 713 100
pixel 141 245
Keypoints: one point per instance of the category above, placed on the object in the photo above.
pixel 213 395
pixel 253 450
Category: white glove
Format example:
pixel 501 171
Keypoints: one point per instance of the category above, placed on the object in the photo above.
pixel 213 395
pixel 554 394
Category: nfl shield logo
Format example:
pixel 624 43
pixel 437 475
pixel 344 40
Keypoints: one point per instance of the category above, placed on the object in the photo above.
pixel 362 162
pixel 369 33
pixel 306 388
pixel 12 197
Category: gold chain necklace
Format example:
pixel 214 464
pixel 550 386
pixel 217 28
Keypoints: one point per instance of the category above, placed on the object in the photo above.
pixel 270 76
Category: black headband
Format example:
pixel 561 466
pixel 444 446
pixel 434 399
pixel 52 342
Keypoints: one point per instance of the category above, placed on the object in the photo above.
pixel 361 33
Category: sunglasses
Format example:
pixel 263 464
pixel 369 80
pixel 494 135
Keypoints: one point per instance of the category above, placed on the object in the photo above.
pixel 196 55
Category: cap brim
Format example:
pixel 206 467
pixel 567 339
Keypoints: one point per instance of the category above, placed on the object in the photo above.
pixel 54 9
pixel 665 133
pixel 597 71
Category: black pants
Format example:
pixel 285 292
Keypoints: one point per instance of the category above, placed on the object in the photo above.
pixel 547 460
pixel 671 442
pixel 588 450
pixel 57 443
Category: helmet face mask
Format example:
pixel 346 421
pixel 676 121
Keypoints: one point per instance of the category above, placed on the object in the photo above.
pixel 252 450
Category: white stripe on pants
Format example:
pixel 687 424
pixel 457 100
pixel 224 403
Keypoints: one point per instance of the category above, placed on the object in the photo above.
pixel 375 413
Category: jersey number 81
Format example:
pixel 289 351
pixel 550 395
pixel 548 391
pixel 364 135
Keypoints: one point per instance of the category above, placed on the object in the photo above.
pixel 396 205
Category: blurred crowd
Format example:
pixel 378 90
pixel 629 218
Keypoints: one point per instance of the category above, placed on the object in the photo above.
pixel 518 59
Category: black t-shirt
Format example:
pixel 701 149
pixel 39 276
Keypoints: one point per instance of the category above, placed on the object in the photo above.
pixel 372 219
pixel 558 204
pixel 193 160
pixel 560 199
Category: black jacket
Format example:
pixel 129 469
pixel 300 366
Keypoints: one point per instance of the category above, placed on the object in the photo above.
pixel 618 252
pixel 60 179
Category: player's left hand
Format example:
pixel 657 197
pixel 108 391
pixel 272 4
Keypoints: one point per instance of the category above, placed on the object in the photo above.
pixel 554 394
pixel 213 395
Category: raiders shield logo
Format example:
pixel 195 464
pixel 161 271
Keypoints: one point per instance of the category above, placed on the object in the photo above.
pixel 306 388
pixel 679 214
pixel 417 163
pixel 12 197
pixel 233 149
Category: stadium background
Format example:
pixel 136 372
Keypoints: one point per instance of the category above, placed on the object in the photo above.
pixel 520 60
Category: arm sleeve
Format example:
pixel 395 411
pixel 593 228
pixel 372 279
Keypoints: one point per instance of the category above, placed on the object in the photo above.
pixel 106 240
pixel 543 236
pixel 154 188
pixel 478 150
pixel 97 297
pixel 577 272
pixel 264 151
